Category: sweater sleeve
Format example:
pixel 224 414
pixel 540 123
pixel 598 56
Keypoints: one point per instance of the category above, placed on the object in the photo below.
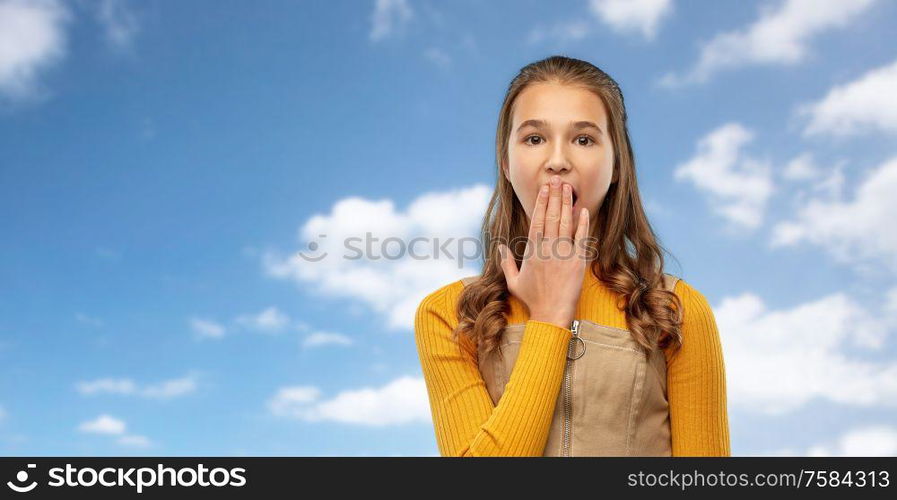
pixel 465 420
pixel 696 382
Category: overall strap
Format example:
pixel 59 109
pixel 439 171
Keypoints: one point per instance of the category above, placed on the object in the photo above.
pixel 469 279
pixel 669 281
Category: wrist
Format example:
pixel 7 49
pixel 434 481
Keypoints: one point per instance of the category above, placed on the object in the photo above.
pixel 562 320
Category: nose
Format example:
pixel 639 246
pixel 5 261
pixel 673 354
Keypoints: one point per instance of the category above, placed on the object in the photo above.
pixel 558 161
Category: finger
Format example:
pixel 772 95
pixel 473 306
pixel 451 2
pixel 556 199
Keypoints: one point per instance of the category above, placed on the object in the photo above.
pixel 508 265
pixel 537 225
pixel 565 227
pixel 582 232
pixel 553 212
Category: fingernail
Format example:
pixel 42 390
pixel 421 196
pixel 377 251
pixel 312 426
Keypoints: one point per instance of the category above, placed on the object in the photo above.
pixel 544 189
pixel 555 180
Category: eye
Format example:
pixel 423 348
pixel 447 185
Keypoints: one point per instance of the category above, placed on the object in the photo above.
pixel 527 140
pixel 588 140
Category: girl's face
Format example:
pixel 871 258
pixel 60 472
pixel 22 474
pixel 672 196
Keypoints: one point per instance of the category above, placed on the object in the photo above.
pixel 560 130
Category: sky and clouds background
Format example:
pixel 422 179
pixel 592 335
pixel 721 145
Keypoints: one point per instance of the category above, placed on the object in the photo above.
pixel 162 164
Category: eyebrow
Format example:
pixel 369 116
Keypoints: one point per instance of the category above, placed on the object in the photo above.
pixel 583 124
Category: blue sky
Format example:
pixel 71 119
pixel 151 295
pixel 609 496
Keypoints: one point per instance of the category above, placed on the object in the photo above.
pixel 163 163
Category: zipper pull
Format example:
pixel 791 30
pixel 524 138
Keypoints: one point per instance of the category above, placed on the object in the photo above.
pixel 572 352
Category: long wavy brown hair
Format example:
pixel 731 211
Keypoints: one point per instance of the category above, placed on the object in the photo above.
pixel 629 259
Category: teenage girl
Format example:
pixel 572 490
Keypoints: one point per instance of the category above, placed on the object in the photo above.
pixel 573 340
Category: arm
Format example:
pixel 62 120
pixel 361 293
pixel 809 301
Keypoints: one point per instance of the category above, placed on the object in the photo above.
pixel 466 421
pixel 696 382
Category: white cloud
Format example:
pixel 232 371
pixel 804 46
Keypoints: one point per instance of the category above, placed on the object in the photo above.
pixel 655 208
pixel 803 171
pixel 88 320
pixel 780 36
pixel 890 308
pixel 851 230
pixel 389 17
pixel 108 386
pixel 206 328
pixel 388 279
pixel 32 39
pixel 801 168
pixel 869 441
pixel 401 401
pixel 134 441
pixel 166 389
pixel 270 320
pixel 561 31
pixel 438 57
pixel 290 397
pixel 104 424
pixel 779 360
pixel 319 339
pixel 738 185
pixel 640 16
pixel 112 426
pixel 866 103
pixel 170 388
pixel 118 21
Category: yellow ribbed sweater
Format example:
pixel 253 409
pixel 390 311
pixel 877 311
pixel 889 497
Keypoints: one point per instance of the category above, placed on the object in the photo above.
pixel 467 423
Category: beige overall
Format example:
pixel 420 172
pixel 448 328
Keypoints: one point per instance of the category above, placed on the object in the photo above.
pixel 613 398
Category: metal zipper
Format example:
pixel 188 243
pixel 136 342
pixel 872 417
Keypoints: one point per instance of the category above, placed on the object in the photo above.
pixel 572 355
